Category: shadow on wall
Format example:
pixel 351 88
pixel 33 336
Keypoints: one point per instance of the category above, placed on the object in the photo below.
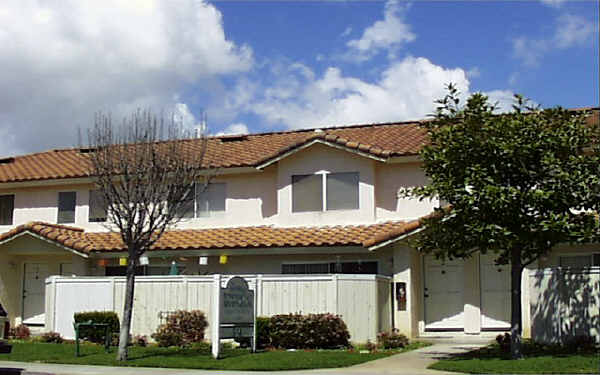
pixel 565 303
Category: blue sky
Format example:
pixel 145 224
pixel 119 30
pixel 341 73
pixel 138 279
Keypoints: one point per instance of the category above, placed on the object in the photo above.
pixel 277 65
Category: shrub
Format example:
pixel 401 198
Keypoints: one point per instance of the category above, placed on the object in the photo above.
pixel 181 329
pixel 581 343
pixel 20 332
pixel 51 337
pixel 392 340
pixel 313 331
pixel 504 342
pixel 96 334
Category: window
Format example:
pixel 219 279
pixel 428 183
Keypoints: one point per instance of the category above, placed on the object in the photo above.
pixel 97 210
pixel 358 267
pixel 7 206
pixel 307 193
pixel 158 270
pixel 341 192
pixel 66 207
pixel 210 200
pixel 580 261
pixel 205 202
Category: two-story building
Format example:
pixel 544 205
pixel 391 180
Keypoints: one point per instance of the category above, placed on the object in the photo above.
pixel 318 201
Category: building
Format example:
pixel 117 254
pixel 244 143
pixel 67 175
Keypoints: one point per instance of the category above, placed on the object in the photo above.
pixel 318 201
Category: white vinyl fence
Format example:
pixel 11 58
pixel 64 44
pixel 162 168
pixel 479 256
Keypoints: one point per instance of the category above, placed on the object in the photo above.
pixel 363 301
pixel 564 303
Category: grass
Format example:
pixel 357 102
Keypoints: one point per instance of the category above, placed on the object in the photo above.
pixel 198 358
pixel 538 360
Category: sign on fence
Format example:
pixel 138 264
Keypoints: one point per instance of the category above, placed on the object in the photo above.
pixel 236 315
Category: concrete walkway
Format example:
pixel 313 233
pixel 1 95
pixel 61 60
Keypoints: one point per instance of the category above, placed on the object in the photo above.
pixel 413 362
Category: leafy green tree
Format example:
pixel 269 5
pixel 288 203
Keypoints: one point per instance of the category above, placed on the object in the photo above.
pixel 516 184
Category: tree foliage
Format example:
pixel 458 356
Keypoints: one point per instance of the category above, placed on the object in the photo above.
pixel 516 184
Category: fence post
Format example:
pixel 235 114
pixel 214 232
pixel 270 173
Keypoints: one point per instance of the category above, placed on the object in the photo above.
pixel 216 307
pixel 335 279
pixel 259 294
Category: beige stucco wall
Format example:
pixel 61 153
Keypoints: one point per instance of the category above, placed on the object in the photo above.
pixel 26 249
pixel 264 197
pixel 389 178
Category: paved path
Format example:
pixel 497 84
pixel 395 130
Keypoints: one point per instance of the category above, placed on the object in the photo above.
pixel 413 362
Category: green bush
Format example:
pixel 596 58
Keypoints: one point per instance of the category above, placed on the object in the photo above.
pixel 262 334
pixel 313 331
pixel 96 334
pixel 504 342
pixel 181 329
pixel 51 337
pixel 392 340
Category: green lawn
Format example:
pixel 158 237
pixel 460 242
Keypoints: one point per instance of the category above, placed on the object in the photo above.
pixel 538 360
pixel 233 359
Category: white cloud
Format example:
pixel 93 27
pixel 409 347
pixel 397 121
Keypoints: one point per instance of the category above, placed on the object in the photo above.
pixel 504 99
pixel 233 129
pixel 473 73
pixel 346 31
pixel 384 35
pixel 570 31
pixel 65 60
pixel 553 3
pixel 405 90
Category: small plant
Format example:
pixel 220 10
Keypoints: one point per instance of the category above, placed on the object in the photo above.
pixel 504 342
pixel 392 340
pixel 20 332
pixel 51 337
pixel 370 346
pixel 263 334
pixel 181 329
pixel 96 334
pixel 140 340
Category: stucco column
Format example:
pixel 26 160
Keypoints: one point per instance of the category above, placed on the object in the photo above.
pixel 472 295
pixel 403 320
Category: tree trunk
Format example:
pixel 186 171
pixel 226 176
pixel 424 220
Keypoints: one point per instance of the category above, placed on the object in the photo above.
pixel 516 319
pixel 127 310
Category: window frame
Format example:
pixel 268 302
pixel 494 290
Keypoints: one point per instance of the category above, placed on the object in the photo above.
pixel 330 266
pixel 96 220
pixel 10 220
pixel 324 176
pixel 58 216
pixel 196 202
pixel 594 256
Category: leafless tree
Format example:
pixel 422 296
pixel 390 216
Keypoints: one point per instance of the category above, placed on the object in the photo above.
pixel 147 181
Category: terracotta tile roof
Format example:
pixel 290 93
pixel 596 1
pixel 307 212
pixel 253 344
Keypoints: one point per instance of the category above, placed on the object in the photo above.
pixel 381 140
pixel 253 150
pixel 218 238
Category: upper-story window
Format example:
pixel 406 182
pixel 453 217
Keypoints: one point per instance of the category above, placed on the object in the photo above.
pixel 325 192
pixel 580 261
pixel 66 207
pixel 97 207
pixel 206 202
pixel 7 206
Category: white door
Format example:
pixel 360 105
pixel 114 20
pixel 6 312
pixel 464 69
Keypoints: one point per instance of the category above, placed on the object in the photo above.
pixel 444 304
pixel 495 293
pixel 34 288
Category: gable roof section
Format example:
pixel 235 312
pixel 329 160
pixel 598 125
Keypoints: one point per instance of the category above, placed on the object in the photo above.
pixel 81 242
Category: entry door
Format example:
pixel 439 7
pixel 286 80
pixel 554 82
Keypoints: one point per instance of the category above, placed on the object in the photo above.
pixel 495 294
pixel 444 304
pixel 34 288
